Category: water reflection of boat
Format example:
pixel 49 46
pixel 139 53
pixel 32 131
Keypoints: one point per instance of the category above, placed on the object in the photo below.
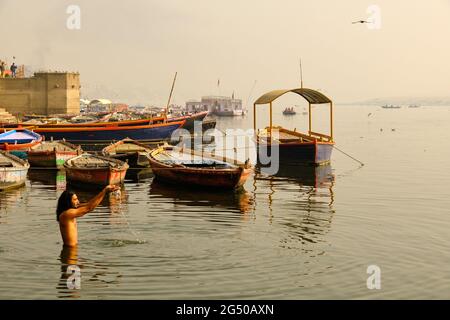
pixel 241 200
pixel 139 175
pixel 306 199
pixel 315 176
pixel 390 106
pixel 9 200
pixel 54 178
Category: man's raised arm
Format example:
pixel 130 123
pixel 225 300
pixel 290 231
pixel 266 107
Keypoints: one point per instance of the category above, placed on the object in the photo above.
pixel 90 205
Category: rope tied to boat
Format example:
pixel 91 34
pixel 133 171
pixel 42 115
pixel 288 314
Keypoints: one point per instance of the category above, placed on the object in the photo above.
pixel 362 164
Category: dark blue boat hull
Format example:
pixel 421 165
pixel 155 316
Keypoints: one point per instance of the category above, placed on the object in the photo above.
pixel 298 154
pixel 142 134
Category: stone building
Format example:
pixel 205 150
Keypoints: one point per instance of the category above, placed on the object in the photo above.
pixel 218 105
pixel 46 93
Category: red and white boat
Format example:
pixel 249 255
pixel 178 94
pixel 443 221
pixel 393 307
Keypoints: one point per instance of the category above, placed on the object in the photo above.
pixel 95 170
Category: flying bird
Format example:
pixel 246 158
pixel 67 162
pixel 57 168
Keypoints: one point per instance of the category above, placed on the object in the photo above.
pixel 362 21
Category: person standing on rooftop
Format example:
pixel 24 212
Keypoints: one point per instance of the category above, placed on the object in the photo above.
pixel 2 69
pixel 13 70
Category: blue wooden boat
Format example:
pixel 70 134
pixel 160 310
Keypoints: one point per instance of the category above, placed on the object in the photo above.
pixel 290 147
pixel 105 134
pixel 13 171
pixel 19 139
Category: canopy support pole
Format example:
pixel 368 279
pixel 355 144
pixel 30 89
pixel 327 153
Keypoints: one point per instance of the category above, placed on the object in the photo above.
pixel 310 118
pixel 270 127
pixel 254 117
pixel 331 120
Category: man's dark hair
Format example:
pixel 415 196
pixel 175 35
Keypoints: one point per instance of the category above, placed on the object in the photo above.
pixel 64 203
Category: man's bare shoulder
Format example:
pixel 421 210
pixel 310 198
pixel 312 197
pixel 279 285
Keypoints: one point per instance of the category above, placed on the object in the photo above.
pixel 70 214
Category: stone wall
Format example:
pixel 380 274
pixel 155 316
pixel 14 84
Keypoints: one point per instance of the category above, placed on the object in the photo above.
pixel 45 93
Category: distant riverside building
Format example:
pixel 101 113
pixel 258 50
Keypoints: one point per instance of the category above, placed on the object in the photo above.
pixel 45 93
pixel 219 105
pixel 84 104
pixel 99 105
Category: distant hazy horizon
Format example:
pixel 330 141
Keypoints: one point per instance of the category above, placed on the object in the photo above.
pixel 130 51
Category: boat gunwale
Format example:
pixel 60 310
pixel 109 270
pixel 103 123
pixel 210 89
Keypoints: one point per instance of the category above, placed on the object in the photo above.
pixel 315 138
pixel 75 149
pixel 17 146
pixel 180 167
pixel 22 162
pixel 122 165
pixel 106 151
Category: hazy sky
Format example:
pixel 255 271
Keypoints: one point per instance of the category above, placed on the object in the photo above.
pixel 130 50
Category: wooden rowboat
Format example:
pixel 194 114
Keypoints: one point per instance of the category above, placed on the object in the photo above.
pixel 13 171
pixel 80 135
pixel 52 154
pixel 187 167
pixel 95 170
pixel 19 139
pixel 133 152
pixel 190 120
pixel 139 122
pixel 289 111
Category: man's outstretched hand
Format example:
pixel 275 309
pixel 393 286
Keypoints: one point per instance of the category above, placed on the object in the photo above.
pixel 111 188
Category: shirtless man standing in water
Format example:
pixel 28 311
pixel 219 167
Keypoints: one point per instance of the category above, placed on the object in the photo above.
pixel 69 208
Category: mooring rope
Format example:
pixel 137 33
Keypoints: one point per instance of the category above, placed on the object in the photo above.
pixel 362 164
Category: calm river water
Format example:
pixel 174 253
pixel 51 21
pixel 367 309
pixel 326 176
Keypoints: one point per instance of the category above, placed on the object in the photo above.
pixel 312 236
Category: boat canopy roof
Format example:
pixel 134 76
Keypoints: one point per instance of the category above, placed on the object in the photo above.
pixel 312 96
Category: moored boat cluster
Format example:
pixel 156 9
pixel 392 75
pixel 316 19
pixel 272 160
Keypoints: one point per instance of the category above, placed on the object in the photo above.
pixel 138 144
pixel 127 144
